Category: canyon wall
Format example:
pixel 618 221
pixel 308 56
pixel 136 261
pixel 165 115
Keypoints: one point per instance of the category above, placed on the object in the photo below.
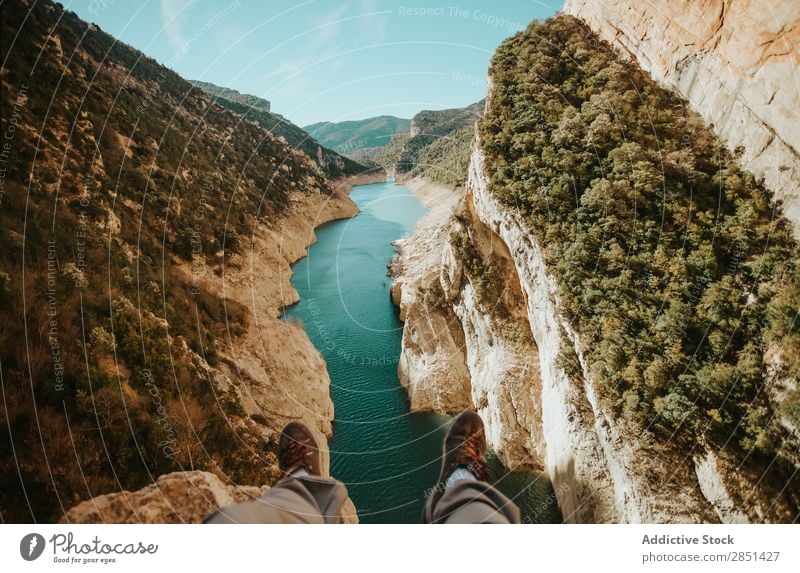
pixel 273 370
pixel 540 412
pixel 432 364
pixel 735 61
pixel 458 351
pixel 737 67
pixel 599 472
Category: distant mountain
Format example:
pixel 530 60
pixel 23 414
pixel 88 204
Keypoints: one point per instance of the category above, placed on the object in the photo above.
pixel 347 137
pixel 438 123
pixel 253 108
pixel 435 147
pixel 233 95
pixel 433 144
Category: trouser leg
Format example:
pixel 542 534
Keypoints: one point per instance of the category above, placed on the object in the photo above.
pixel 307 499
pixel 471 501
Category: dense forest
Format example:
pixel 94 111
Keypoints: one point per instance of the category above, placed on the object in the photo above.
pixel 674 265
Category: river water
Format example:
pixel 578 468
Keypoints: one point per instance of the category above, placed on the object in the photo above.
pixel 386 456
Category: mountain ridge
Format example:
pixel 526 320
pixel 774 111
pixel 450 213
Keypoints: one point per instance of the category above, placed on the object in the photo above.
pixel 247 100
pixel 333 163
pixel 350 136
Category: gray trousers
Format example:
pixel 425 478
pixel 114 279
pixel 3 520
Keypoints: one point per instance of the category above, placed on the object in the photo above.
pixel 311 499
pixel 471 501
pixel 307 499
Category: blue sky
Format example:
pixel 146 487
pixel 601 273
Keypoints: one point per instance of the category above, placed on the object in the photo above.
pixel 322 60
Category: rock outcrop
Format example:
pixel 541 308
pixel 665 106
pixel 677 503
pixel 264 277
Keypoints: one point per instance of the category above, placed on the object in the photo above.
pixel 502 357
pixel 432 364
pixel 179 497
pixel 459 350
pixel 735 61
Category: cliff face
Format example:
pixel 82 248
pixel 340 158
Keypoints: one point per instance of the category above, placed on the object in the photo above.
pixel 432 365
pixel 598 472
pixel 458 350
pixel 606 421
pixel 538 412
pixel 734 61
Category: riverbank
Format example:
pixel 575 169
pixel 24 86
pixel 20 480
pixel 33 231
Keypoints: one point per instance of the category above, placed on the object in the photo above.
pixel 273 368
pixel 433 195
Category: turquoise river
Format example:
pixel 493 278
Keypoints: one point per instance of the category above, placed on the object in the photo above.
pixel 387 456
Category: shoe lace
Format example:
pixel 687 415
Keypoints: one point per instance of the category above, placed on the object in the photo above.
pixel 295 454
pixel 471 451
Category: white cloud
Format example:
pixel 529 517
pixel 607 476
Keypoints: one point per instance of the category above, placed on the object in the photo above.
pixel 172 22
pixel 330 25
pixel 336 65
pixel 318 45
pixel 296 88
pixel 372 24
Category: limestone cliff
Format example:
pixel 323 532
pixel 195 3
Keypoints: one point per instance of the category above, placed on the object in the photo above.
pixel 459 349
pixel 432 364
pixel 538 411
pixel 599 473
pixel 736 63
pixel 179 497
pixel 603 467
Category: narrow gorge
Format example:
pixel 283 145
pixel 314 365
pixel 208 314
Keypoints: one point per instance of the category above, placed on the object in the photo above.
pixel 600 258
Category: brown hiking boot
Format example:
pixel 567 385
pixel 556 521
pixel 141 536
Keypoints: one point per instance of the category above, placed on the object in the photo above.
pixel 298 449
pixel 464 446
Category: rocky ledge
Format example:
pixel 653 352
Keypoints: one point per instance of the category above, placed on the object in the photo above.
pixel 179 497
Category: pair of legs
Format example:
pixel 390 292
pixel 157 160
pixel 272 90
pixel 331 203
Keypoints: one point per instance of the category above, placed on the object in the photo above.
pixel 462 494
